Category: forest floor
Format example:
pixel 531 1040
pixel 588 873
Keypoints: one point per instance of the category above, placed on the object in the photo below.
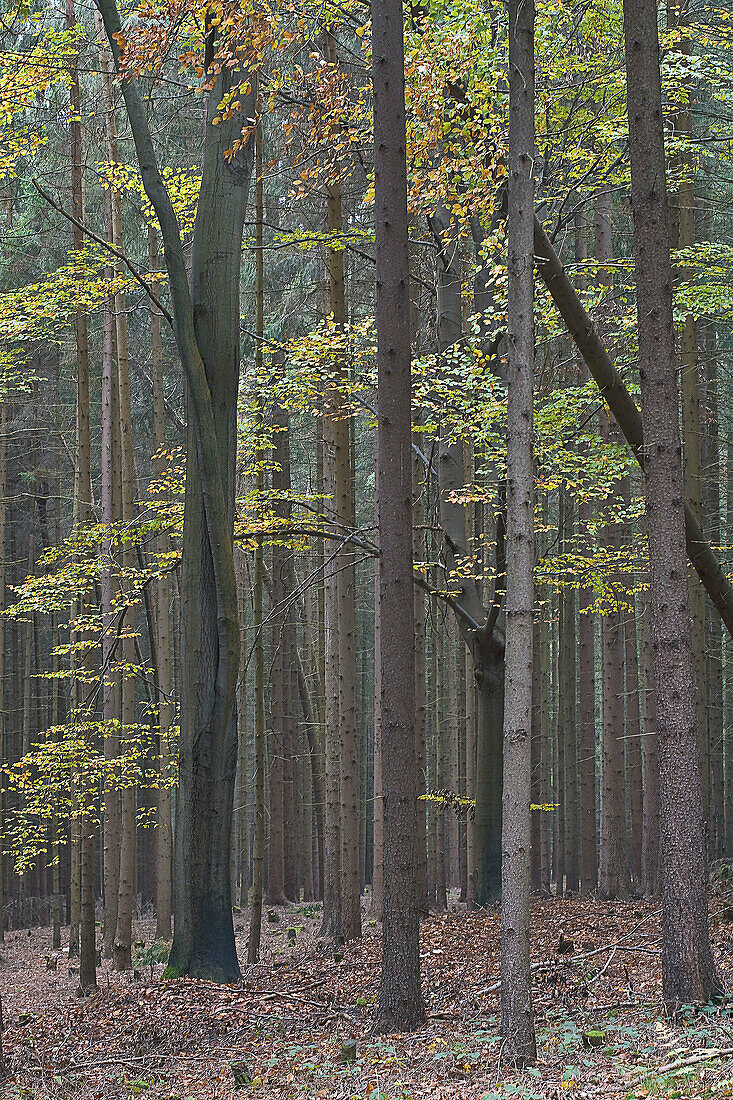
pixel 597 1000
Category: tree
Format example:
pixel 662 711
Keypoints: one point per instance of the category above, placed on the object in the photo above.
pixel 517 1022
pixel 258 772
pixel 206 326
pixel 688 968
pixel 400 1005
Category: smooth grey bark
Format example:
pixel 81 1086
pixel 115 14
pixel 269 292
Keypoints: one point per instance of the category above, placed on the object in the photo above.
pixel 205 322
pixel 259 733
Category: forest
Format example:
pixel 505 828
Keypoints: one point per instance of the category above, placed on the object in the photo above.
pixel 366 549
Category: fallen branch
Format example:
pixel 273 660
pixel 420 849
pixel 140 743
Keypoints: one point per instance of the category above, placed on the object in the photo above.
pixel 699 1056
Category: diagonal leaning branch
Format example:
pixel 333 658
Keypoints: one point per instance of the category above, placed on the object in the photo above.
pixel 627 415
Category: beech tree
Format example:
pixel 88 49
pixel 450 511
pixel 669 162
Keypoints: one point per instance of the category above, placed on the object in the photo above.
pixel 206 326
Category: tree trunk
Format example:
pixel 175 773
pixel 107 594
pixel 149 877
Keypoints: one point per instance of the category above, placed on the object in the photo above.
pixel 567 712
pixel 3 741
pixel 331 925
pixel 632 744
pixel 488 663
pixel 259 734
pixel 400 1003
pixel 343 506
pixel 203 942
pixel 83 517
pixel 517 1022
pixel 713 646
pixel 688 968
pixel 164 830
pixel 111 685
pixel 650 767
pixel 279 647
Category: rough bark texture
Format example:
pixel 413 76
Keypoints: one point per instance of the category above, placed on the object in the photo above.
pixel 517 1022
pixel 632 746
pixel 650 766
pixel 400 1003
pixel 613 873
pixel 688 968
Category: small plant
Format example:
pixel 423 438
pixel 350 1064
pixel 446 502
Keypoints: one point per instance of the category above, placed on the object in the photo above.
pixel 154 953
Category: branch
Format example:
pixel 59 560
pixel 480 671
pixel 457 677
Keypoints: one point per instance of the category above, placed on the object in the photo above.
pixel 625 412
pixel 109 247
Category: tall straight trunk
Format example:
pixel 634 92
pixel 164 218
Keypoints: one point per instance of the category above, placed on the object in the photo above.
pixel 258 771
pixel 586 662
pixel 470 783
pixel 613 874
pixel 320 662
pixel 713 640
pixel 439 730
pixel 683 229
pixel 375 909
pixel 537 790
pixel 56 690
pixel 278 688
pixel 559 861
pixel 421 718
pixel 632 716
pixel 452 729
pixel 240 837
pixel 3 735
pixel 111 685
pixel 688 967
pixel 83 516
pixel 432 763
pixel 343 507
pixel 568 713
pixel 307 841
pixel 517 1021
pixel 632 744
pixel 164 830
pixel 587 745
pixel 613 870
pixel 126 880
pixel 259 735
pixel 291 882
pixel 728 685
pixel 651 878
pixel 331 924
pixel 489 670
pixel 400 1003
pixel 450 335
